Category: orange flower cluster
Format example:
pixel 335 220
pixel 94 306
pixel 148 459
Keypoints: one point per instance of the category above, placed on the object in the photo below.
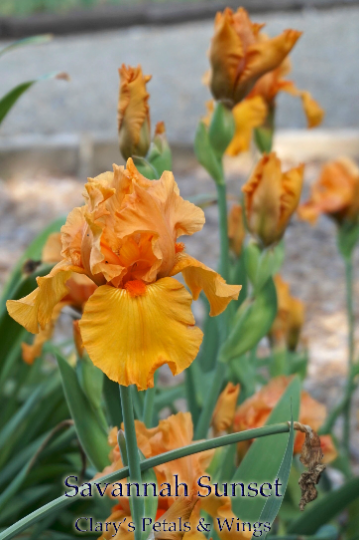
pixel 254 412
pixel 174 432
pixel 125 240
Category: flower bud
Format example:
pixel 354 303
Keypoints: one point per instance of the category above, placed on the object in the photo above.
pixel 133 113
pixel 239 55
pixel 236 230
pixel 223 414
pixel 271 197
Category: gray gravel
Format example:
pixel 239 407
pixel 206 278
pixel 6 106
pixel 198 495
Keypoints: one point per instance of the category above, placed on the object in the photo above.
pixel 325 62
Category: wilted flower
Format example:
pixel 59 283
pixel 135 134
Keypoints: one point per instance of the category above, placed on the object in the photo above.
pixel 254 412
pixel 239 55
pixel 134 127
pixel 271 197
pixel 124 239
pixel 80 288
pixel 223 414
pixel 336 193
pixel 236 229
pixel 289 321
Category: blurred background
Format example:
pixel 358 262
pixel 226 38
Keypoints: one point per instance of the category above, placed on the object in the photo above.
pixel 61 132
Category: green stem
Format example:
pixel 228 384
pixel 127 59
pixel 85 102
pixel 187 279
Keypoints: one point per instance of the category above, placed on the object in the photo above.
pixel 223 231
pixel 191 392
pixel 137 506
pixel 208 408
pixel 67 499
pixel 149 404
pixel 350 315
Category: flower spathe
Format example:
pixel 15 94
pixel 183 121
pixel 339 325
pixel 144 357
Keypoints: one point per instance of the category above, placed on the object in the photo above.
pixel 336 193
pixel 239 55
pixel 125 240
pixel 271 197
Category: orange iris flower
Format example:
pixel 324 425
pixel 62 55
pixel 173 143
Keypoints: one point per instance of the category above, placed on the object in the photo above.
pixel 271 197
pixel 254 412
pixel 174 432
pixel 239 55
pixel 134 127
pixel 80 288
pixel 289 321
pixel 336 193
pixel 254 109
pixel 124 239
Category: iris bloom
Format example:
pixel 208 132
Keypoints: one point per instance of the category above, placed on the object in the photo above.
pixel 271 197
pixel 289 321
pixel 239 55
pixel 253 111
pixel 174 432
pixel 254 412
pixel 134 126
pixel 336 193
pixel 124 239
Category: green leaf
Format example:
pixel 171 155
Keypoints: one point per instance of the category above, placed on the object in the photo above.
pixel 33 40
pixel 325 509
pixel 221 128
pixel 273 504
pixel 263 459
pixel 9 100
pixel 206 155
pixel 251 323
pixel 113 403
pixel 10 331
pixel 91 434
pixel 262 264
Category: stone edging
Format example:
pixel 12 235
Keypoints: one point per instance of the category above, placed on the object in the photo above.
pixel 113 17
pixel 87 155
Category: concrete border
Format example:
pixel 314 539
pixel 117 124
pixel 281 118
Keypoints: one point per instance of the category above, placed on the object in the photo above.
pixel 85 155
pixel 112 17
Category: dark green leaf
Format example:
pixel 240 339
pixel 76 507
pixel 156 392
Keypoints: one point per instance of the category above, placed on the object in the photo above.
pixel 251 323
pixel 91 434
pixel 325 509
pixel 9 100
pixel 206 155
pixel 263 459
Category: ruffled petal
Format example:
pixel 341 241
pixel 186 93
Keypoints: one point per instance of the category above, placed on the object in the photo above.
pixel 291 190
pixel 312 109
pixel 199 277
pixel 33 351
pixel 248 114
pixel 35 310
pixel 51 252
pixel 268 54
pixel 71 236
pixel 129 333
